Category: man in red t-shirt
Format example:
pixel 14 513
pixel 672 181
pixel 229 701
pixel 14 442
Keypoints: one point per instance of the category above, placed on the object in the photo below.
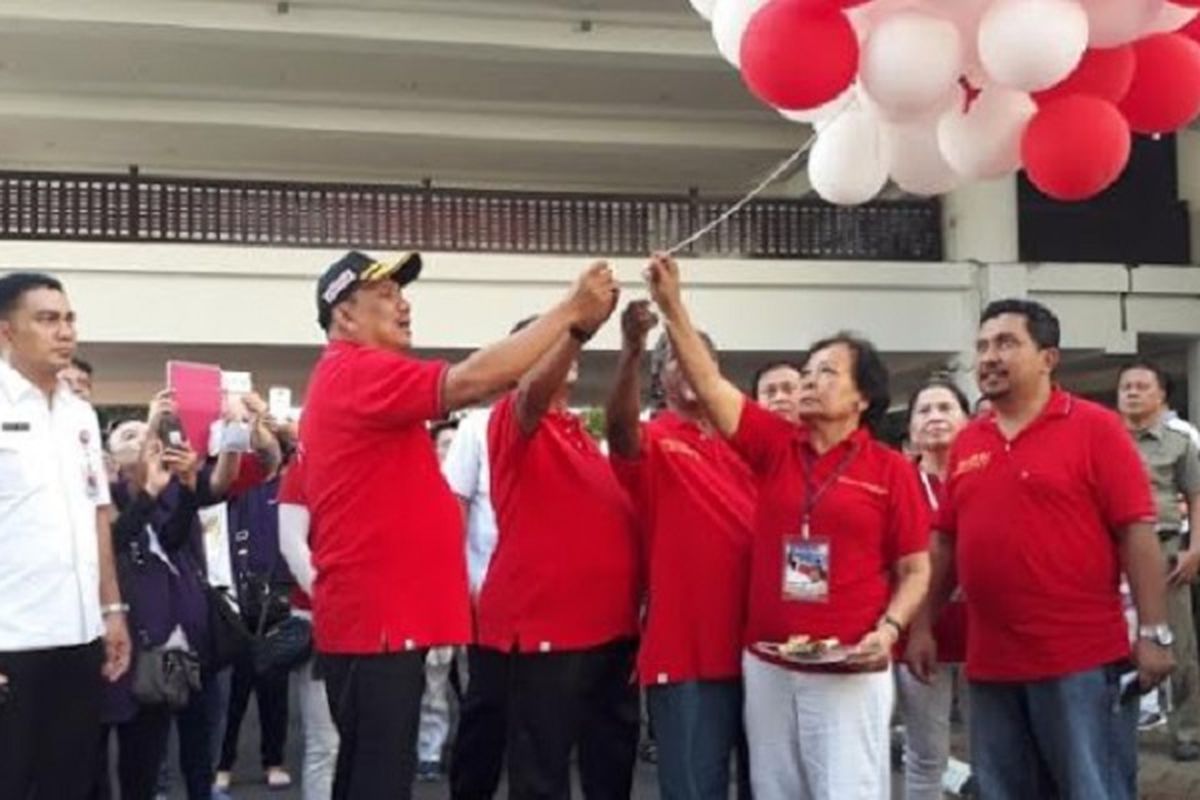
pixel 391 577
pixel 695 501
pixel 1047 503
pixel 559 604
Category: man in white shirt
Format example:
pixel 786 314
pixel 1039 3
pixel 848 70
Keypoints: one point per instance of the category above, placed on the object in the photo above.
pixel 479 747
pixel 62 623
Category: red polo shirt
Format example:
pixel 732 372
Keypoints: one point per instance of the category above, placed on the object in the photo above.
pixel 388 550
pixel 1035 522
pixel 871 513
pixel 291 493
pixel 565 572
pixel 695 501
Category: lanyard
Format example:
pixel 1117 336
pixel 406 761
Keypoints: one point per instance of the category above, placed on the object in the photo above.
pixel 930 494
pixel 813 493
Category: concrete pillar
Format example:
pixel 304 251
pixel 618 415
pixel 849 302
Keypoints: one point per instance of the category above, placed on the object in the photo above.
pixel 979 222
pixel 1193 381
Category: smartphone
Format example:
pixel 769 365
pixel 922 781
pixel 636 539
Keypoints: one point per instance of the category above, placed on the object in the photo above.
pixel 279 403
pixel 1130 686
pixel 170 431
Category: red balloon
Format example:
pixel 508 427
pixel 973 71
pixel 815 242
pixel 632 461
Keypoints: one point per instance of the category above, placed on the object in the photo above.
pixel 1075 147
pixel 798 54
pixel 1165 93
pixel 1105 73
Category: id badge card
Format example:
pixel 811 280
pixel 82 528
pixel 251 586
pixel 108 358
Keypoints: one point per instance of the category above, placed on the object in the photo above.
pixel 806 569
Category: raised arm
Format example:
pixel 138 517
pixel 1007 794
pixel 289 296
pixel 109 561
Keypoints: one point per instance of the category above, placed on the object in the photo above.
pixel 722 400
pixel 624 400
pixel 500 365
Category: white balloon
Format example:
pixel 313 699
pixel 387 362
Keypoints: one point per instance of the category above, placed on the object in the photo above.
pixel 1116 22
pixel 846 165
pixel 729 21
pixel 915 161
pixel 911 62
pixel 822 113
pixel 985 141
pixel 703 7
pixel 1171 19
pixel 1032 44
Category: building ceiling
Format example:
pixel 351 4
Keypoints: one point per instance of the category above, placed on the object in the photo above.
pixel 598 95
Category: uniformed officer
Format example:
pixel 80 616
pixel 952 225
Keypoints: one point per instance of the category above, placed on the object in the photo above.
pixel 1174 465
pixel 62 623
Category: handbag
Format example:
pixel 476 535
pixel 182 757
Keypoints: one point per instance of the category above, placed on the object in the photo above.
pixel 166 677
pixel 228 637
pixel 284 646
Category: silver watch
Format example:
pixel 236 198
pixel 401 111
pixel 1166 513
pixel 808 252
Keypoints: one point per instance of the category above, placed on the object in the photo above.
pixel 1160 634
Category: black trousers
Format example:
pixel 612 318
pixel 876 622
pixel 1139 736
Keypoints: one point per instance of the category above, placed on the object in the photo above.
pixel 375 701
pixel 558 702
pixel 271 692
pixel 478 760
pixel 141 747
pixel 50 722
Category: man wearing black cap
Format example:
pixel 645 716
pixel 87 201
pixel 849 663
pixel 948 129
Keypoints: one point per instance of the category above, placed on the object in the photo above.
pixel 388 541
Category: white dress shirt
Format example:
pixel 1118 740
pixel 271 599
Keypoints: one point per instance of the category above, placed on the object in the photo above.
pixel 52 480
pixel 466 470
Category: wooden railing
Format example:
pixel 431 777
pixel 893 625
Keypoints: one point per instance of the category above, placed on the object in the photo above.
pixel 140 208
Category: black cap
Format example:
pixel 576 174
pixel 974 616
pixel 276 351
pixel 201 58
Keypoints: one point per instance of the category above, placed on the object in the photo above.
pixel 355 268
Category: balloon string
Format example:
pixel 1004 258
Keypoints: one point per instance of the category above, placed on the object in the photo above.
pixel 772 176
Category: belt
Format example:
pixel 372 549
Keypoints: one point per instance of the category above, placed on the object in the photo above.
pixel 1167 534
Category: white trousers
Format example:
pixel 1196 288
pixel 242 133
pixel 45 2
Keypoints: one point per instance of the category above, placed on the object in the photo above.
pixel 320 736
pixel 434 729
pixel 816 736
pixel 926 710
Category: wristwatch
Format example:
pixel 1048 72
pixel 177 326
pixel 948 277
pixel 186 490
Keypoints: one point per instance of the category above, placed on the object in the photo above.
pixel 1160 634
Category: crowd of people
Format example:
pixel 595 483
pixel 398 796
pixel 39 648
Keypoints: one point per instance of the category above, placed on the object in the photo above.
pixel 758 569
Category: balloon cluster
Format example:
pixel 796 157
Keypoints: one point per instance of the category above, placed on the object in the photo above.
pixel 936 93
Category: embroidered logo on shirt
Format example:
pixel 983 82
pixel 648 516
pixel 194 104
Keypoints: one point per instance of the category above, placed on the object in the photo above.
pixel 972 463
pixel 873 488
pixel 676 446
pixel 14 427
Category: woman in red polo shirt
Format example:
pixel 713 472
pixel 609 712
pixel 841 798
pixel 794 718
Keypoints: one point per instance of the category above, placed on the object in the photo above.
pixel 838 552
pixel 937 411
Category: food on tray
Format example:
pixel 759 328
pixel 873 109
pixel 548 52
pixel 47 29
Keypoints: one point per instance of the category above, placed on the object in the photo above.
pixel 808 646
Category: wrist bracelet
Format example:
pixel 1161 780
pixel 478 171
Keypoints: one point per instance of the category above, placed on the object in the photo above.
pixel 887 620
pixel 114 608
pixel 580 335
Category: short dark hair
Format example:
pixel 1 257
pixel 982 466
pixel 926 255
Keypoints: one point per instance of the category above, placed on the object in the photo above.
pixel 1040 321
pixel 939 383
pixel 83 366
pixel 870 375
pixel 1164 379
pixel 770 366
pixel 15 285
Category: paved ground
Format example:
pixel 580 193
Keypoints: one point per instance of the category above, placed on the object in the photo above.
pixel 1160 778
